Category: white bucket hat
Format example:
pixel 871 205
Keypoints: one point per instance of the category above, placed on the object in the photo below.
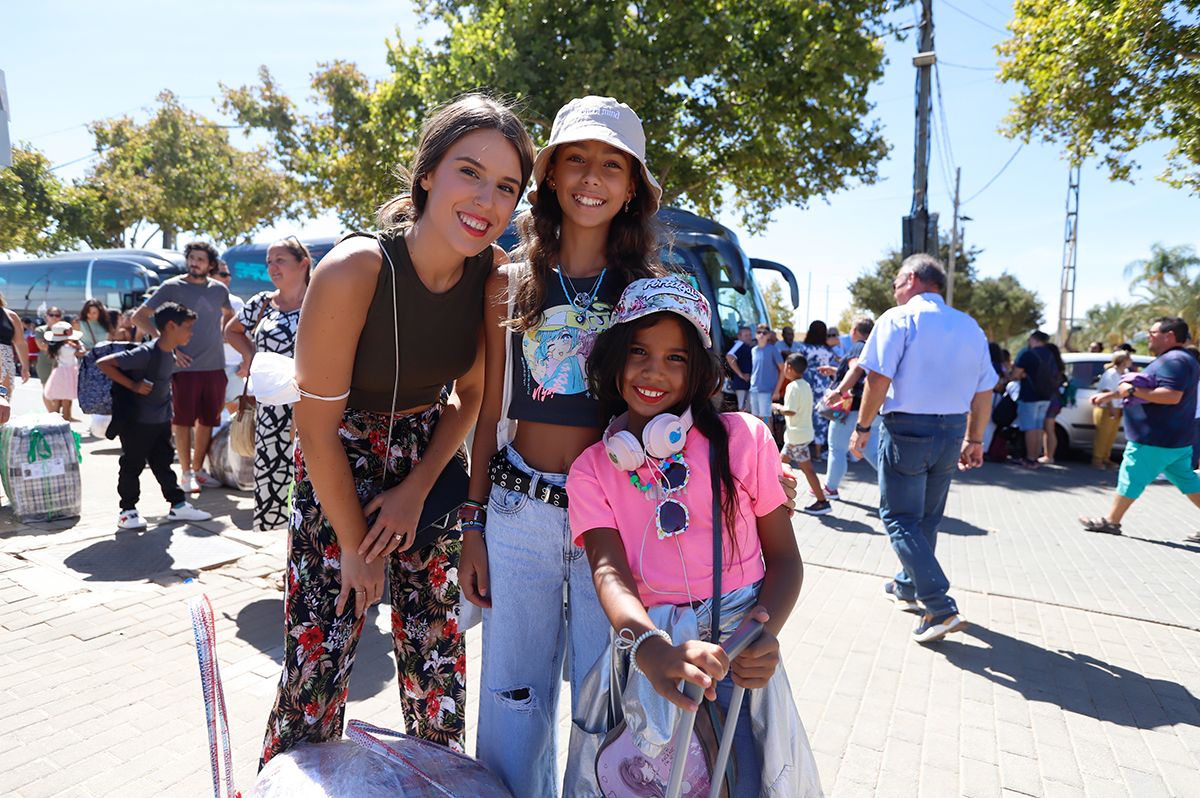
pixel 600 119
pixel 62 331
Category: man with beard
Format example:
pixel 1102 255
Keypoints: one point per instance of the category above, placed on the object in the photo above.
pixel 198 387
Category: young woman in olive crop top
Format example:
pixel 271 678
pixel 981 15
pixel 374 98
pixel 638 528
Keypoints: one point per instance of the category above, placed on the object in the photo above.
pixel 356 323
pixel 590 232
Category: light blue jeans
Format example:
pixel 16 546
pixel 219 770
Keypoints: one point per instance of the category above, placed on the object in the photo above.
pixel 528 631
pixel 840 433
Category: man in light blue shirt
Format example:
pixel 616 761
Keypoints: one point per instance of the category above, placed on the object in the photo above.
pixel 928 369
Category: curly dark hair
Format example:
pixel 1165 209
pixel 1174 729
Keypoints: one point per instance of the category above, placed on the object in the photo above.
pixel 104 320
pixel 208 249
pixel 606 367
pixel 631 250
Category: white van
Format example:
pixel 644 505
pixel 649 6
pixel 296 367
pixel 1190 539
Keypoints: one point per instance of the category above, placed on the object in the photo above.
pixel 1075 427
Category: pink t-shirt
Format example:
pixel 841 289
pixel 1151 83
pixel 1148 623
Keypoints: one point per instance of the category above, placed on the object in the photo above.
pixel 603 498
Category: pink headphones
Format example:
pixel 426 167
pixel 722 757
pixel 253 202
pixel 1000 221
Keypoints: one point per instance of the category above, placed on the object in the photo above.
pixel 664 435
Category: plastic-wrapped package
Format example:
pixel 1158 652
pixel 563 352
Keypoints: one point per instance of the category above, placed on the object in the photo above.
pixel 39 465
pixel 225 464
pixel 404 768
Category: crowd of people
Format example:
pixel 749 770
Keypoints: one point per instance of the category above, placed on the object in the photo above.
pixel 614 513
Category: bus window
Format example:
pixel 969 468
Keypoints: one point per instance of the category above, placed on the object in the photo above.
pixel 734 308
pixel 118 284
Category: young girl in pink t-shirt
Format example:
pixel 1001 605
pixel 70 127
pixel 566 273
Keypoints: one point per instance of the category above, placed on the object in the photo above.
pixel 642 506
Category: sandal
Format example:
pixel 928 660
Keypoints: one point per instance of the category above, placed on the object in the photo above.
pixel 1102 525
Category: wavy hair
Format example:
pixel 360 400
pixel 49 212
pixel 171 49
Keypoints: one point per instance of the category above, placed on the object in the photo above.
pixel 631 249
pixel 441 130
pixel 103 320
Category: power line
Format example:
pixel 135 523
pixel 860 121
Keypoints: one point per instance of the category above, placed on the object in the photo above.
pixel 987 25
pixel 945 148
pixel 993 180
pixel 967 66
pixel 87 157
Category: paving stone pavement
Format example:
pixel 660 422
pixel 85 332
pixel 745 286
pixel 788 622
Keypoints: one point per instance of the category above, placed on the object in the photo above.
pixel 1079 675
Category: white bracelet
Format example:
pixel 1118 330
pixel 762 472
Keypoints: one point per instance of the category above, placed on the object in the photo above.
pixel 633 650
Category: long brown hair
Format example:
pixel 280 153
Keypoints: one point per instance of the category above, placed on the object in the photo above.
pixel 440 131
pixel 104 321
pixel 631 250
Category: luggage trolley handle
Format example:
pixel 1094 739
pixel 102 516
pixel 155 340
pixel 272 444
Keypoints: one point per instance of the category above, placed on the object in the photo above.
pixel 747 632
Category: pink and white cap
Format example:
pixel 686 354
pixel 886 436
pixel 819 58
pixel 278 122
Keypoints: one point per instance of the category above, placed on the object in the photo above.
pixel 665 294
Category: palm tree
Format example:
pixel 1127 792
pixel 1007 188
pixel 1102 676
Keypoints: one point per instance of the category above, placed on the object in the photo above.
pixel 1110 323
pixel 1163 264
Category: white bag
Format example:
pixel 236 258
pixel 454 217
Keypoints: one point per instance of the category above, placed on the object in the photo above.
pixel 273 379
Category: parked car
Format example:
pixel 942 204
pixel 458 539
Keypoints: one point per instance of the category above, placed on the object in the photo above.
pixel 1074 426
pixel 120 281
pixel 248 264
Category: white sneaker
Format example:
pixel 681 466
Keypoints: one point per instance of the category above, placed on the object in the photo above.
pixel 188 483
pixel 206 480
pixel 129 519
pixel 186 512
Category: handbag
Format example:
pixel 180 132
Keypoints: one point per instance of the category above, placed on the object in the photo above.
pixel 624 771
pixel 241 428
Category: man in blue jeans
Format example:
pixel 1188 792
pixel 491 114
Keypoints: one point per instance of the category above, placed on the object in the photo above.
pixel 928 369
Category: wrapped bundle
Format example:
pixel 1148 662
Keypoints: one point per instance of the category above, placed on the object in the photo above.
pixel 39 466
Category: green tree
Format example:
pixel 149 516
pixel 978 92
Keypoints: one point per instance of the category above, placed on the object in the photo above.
pixel 1110 324
pixel 762 103
pixel 1163 265
pixel 177 171
pixel 779 309
pixel 1101 78
pixel 1001 305
pixel 31 201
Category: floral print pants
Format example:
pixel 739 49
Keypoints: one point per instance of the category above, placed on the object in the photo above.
pixel 319 645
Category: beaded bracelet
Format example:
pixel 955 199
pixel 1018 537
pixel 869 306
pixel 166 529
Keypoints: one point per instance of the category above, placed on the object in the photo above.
pixel 633 650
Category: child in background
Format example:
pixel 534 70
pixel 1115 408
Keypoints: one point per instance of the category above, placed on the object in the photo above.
pixel 797 410
pixel 63 348
pixel 651 472
pixel 142 415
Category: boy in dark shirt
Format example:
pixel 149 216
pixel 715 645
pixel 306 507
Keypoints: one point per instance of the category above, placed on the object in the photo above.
pixel 143 419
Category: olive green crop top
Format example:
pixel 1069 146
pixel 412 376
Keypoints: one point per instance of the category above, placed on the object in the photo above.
pixel 438 335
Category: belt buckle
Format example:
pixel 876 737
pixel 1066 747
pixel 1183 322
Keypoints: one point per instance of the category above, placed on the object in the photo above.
pixel 544 492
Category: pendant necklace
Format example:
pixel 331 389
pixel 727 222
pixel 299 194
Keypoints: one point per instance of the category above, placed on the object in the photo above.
pixel 580 300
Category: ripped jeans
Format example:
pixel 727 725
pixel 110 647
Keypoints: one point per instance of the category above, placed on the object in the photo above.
pixel 528 632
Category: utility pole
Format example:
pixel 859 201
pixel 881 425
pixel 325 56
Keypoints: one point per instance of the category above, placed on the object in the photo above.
pixel 5 114
pixel 808 301
pixel 953 241
pixel 920 227
pixel 1066 294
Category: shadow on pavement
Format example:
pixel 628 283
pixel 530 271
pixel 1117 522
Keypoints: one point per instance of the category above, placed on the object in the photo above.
pixel 846 525
pixel 130 557
pixel 260 623
pixel 1077 683
pixel 1170 544
pixel 950 526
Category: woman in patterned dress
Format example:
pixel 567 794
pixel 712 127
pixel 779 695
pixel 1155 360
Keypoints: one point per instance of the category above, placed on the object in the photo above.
pixel 822 365
pixel 271 317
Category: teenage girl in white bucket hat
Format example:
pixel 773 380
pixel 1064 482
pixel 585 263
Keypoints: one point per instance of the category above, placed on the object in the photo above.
pixel 590 232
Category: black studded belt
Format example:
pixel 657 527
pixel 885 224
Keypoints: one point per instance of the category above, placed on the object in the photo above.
pixel 506 475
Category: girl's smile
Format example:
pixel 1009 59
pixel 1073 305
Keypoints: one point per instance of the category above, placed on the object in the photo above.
pixel 656 370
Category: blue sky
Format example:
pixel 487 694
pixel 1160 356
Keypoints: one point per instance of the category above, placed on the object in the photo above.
pixel 68 63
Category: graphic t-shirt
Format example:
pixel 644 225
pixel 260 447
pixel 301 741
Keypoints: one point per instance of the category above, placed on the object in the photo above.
pixel 679 569
pixel 1168 426
pixel 549 374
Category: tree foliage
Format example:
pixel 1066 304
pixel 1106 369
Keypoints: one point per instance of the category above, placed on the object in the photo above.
pixel 1101 78
pixel 779 309
pixel 1165 284
pixel 761 102
pixel 178 171
pixel 1002 306
pixel 32 199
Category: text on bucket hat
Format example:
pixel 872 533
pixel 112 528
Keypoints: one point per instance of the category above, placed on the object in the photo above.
pixel 665 294
pixel 599 119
